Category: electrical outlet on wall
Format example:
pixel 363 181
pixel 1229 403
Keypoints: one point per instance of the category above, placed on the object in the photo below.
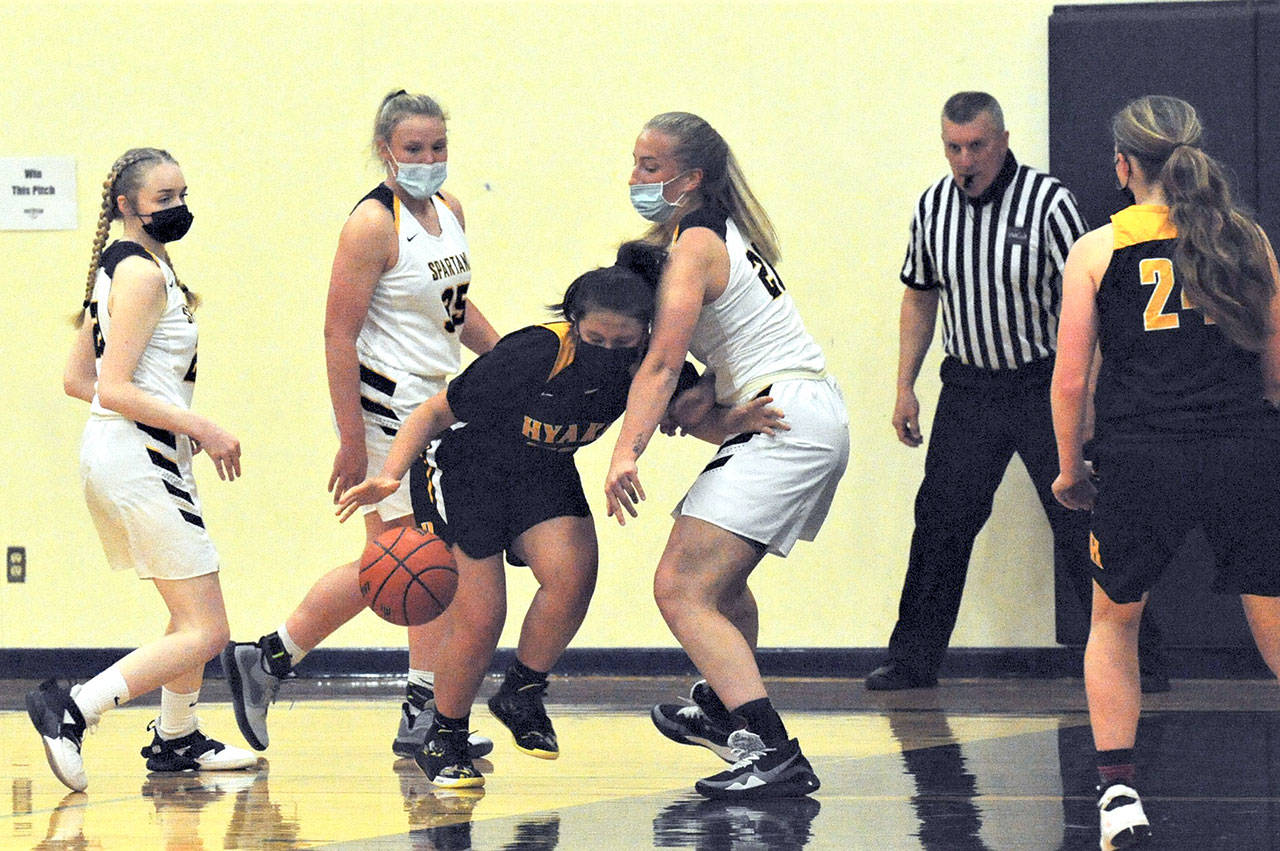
pixel 16 564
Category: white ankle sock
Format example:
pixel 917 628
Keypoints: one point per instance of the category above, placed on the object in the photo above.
pixel 104 692
pixel 295 652
pixel 421 679
pixel 177 713
pixel 426 679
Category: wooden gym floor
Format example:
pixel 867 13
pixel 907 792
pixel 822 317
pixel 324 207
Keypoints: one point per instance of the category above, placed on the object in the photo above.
pixel 972 764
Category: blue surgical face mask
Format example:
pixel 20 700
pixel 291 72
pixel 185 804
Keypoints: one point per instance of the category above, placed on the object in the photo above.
pixel 649 201
pixel 421 180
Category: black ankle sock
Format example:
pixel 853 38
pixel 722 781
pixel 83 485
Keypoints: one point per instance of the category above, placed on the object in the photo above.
pixel 451 725
pixel 278 661
pixel 417 696
pixel 1116 766
pixel 520 675
pixel 763 720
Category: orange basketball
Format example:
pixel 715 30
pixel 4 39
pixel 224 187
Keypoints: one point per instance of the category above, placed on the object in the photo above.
pixel 407 576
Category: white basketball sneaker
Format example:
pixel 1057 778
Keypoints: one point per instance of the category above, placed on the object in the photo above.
pixel 1123 823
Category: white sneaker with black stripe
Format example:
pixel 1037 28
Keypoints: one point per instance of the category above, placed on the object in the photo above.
pixel 194 752
pixel 1123 822
pixel 61 725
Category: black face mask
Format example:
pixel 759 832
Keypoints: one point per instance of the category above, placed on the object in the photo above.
pixel 169 225
pixel 607 362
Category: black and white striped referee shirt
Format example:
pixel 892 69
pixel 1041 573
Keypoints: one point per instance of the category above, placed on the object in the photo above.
pixel 998 259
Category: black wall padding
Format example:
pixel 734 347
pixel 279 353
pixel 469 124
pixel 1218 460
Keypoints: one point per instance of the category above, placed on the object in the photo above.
pixel 1100 57
pixel 1224 58
pixel 1268 149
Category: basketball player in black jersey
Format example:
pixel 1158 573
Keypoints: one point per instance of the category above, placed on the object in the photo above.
pixel 506 481
pixel 1180 293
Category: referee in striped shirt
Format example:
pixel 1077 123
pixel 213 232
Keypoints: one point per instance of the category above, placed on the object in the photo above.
pixel 989 243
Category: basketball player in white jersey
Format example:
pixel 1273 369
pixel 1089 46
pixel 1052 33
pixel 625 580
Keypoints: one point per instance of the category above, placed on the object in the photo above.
pixel 397 313
pixel 721 300
pixel 134 361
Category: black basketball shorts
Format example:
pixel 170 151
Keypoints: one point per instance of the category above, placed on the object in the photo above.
pixel 1151 495
pixel 484 509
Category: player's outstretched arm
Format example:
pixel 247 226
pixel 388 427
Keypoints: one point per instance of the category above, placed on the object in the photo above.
pixel 428 421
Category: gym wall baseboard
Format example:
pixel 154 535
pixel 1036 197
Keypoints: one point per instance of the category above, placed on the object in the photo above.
pixel 850 663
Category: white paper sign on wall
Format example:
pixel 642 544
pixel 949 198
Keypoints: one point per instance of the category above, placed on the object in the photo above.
pixel 37 193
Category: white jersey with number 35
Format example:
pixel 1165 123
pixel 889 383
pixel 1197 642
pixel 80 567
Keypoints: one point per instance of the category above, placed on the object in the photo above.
pixel 418 306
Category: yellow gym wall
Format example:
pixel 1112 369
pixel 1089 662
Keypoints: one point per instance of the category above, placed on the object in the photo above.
pixel 831 107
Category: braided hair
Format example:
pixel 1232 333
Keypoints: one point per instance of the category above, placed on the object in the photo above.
pixel 126 178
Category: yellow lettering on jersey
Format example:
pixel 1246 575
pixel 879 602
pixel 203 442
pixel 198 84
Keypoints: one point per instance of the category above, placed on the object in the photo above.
pixel 531 428
pixel 1157 272
pixel 1095 551
pixel 1187 305
pixel 550 432
pixel 570 435
pixel 593 431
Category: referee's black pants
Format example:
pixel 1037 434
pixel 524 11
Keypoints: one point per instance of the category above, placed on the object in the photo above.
pixel 983 417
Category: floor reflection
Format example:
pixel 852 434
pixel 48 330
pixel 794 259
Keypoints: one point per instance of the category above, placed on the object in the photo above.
pixel 894 778
pixel 66 825
pixel 779 824
pixel 441 819
pixel 945 795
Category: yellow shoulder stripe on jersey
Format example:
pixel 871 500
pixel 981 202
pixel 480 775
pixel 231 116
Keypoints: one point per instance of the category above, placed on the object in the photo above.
pixel 567 346
pixel 1141 223
pixel 395 212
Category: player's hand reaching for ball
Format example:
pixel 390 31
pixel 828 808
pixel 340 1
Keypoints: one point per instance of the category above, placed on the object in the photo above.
pixel 372 490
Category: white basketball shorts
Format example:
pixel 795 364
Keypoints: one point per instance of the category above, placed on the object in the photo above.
pixel 775 490
pixel 387 397
pixel 143 500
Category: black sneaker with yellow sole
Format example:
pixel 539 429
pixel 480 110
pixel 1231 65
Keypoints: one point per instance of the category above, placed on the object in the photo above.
pixel 521 710
pixel 445 761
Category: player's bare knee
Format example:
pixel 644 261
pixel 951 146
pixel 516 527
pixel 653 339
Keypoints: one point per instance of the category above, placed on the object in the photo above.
pixel 673 594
